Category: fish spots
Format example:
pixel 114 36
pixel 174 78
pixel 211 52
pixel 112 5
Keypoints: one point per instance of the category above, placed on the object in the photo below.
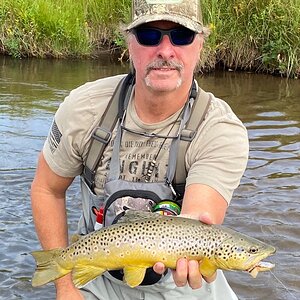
pixel 166 238
pixel 225 251
pixel 63 255
pixel 162 245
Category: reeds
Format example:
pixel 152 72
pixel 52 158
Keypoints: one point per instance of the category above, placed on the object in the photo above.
pixel 260 35
pixel 256 35
pixel 43 28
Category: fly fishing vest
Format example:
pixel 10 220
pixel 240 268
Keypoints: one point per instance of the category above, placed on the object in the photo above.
pixel 119 194
pixel 172 188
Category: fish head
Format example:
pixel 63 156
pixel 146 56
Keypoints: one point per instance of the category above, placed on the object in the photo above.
pixel 243 253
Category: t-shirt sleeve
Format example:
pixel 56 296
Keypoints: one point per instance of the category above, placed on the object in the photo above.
pixel 218 155
pixel 68 141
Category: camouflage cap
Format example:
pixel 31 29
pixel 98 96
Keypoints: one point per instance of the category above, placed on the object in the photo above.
pixel 184 12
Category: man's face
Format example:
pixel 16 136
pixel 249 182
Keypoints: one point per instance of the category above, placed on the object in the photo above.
pixel 164 67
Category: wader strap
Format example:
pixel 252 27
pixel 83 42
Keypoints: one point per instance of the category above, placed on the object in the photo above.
pixel 114 165
pixel 173 152
pixel 102 134
pixel 197 116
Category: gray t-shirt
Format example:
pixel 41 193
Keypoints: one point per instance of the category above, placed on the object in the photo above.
pixel 216 157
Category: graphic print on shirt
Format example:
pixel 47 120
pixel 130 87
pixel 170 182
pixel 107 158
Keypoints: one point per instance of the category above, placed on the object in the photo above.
pixel 136 154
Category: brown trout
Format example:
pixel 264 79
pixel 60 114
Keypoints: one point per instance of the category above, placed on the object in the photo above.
pixel 141 239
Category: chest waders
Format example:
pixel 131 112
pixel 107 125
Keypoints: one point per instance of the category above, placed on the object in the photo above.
pixel 119 194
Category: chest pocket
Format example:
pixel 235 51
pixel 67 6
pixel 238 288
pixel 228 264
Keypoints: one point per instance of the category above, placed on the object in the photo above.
pixel 123 195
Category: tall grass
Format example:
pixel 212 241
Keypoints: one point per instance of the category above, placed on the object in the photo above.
pixel 58 28
pixel 257 35
pixel 43 28
pixel 261 35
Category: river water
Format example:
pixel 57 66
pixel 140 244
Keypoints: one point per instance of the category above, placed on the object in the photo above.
pixel 265 206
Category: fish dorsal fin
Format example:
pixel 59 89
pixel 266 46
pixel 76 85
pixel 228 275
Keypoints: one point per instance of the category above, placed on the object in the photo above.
pixel 131 215
pixel 207 268
pixel 133 276
pixel 75 238
pixel 82 274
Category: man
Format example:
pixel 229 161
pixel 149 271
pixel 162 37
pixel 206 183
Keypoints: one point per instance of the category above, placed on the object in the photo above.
pixel 164 42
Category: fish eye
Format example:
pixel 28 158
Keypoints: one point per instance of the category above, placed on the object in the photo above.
pixel 253 250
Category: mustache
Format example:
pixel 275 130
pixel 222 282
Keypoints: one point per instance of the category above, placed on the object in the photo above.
pixel 161 63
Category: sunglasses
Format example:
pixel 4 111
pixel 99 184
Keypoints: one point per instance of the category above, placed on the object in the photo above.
pixel 147 36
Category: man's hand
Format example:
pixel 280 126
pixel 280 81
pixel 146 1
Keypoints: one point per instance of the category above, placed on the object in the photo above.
pixel 187 272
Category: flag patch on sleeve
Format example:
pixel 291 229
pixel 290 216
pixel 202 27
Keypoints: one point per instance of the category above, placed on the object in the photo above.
pixel 54 137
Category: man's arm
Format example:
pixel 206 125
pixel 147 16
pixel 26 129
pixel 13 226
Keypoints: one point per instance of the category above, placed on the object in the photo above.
pixel 49 214
pixel 205 204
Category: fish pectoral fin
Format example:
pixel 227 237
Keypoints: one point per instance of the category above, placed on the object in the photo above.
pixel 133 276
pixel 82 274
pixel 207 268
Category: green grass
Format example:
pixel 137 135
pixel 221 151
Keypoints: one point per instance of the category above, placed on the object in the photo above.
pixel 261 35
pixel 256 35
pixel 43 28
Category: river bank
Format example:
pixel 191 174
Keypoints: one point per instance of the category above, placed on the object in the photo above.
pixel 258 36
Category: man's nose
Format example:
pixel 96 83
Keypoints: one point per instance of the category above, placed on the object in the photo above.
pixel 165 49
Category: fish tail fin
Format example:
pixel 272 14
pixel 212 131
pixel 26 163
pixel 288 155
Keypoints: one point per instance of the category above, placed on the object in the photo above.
pixel 47 267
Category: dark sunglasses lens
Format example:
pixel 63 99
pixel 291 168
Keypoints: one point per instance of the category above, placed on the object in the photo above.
pixel 182 36
pixel 148 36
pixel 152 36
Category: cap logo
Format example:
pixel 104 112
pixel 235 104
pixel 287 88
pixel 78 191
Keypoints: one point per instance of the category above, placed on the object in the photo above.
pixel 163 1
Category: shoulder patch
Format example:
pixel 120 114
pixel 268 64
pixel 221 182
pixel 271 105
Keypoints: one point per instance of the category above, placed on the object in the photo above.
pixel 54 137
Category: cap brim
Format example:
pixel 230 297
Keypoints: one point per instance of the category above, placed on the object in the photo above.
pixel 184 21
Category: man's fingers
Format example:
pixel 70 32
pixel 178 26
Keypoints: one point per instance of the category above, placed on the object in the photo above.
pixel 181 273
pixel 159 268
pixel 194 275
pixel 206 218
pixel 186 272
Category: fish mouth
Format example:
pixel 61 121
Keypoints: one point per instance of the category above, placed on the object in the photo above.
pixel 259 267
